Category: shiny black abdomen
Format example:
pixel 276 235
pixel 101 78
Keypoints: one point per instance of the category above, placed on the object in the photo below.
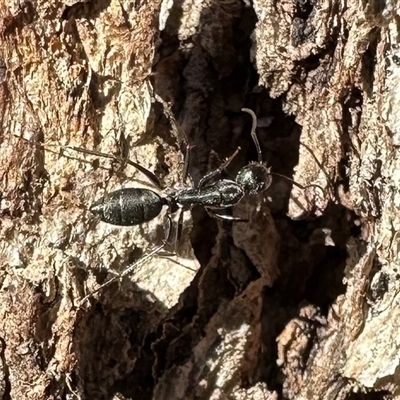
pixel 127 207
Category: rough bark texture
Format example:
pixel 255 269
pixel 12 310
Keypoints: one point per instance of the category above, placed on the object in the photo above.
pixel 298 302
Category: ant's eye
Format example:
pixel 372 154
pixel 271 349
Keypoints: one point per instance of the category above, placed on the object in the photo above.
pixel 254 178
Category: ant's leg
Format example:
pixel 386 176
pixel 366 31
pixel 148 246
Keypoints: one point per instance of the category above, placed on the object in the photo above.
pixel 217 171
pixel 179 133
pixel 176 240
pixel 179 229
pixel 224 217
pixel 253 132
pixel 212 174
pixel 177 235
pixel 129 269
pixel 120 160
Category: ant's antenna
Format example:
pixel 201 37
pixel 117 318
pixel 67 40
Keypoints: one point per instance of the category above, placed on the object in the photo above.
pixel 253 132
pixel 257 144
pixel 314 185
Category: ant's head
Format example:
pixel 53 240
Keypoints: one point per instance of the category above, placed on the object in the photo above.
pixel 254 178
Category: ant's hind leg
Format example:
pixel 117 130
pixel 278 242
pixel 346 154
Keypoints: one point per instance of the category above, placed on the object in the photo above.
pixel 142 260
pixel 121 161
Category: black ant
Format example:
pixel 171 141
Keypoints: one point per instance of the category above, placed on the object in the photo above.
pixel 134 206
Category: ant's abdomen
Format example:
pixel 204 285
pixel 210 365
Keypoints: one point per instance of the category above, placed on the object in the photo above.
pixel 127 207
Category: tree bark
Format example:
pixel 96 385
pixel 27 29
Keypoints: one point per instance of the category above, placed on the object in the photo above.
pixel 297 301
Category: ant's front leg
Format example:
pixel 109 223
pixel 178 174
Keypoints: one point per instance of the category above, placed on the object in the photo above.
pixel 219 170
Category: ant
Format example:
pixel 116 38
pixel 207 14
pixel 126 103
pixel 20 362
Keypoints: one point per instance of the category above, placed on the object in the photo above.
pixel 134 206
